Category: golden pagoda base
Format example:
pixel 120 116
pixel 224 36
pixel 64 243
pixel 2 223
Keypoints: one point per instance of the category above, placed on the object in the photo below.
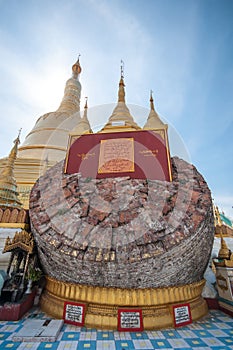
pixel 103 303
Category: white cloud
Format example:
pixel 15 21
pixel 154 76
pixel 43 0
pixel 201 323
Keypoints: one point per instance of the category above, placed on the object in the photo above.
pixel 225 204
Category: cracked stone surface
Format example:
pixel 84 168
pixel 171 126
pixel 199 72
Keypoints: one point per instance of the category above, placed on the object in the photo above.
pixel 122 232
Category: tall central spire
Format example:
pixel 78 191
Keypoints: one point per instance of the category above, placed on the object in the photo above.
pixel 71 99
pixel 121 91
pixel 49 136
pixel 121 117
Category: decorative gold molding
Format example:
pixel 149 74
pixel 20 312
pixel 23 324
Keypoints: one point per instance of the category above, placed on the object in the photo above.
pixel 23 240
pixel 124 297
pixel 43 147
pixel 46 129
pixel 14 225
pixel 222 282
pixel 103 303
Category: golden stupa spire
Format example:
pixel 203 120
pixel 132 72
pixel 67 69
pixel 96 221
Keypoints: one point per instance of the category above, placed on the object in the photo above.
pixel 151 101
pixel 8 187
pixel 51 131
pixel 121 91
pixel 84 121
pixel 217 217
pixel 153 120
pixel 83 126
pixel 224 251
pixel 121 119
pixel 76 68
pixel 72 93
pixel 85 107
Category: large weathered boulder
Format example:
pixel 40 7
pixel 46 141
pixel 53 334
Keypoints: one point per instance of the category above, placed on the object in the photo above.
pixel 122 232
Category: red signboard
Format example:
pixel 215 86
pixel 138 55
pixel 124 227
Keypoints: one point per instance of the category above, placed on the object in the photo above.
pixel 130 320
pixel 139 154
pixel 182 315
pixel 74 313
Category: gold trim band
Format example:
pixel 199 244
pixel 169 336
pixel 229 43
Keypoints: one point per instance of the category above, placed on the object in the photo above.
pixel 103 303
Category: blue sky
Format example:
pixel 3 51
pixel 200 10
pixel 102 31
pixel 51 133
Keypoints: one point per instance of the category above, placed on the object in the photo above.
pixel 181 49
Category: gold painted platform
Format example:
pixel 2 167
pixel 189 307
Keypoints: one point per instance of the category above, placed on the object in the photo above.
pixel 103 303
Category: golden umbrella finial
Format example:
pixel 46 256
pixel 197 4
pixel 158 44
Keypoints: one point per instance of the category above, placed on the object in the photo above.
pixel 122 69
pixel 224 251
pixel 76 68
pixel 86 98
pixel 151 101
pixel 121 91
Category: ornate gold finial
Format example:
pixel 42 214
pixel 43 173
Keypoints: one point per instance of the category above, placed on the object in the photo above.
pixel 86 98
pixel 151 101
pixel 217 216
pixel 224 251
pixel 122 69
pixel 121 91
pixel 76 68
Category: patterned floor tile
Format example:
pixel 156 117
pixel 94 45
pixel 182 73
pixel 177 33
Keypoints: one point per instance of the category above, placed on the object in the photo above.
pixel 227 340
pixel 105 345
pixel 105 335
pixel 161 344
pixel 196 343
pixel 66 345
pixel 71 328
pixel 28 346
pixel 48 346
pixel 88 335
pixel 86 345
pixel 223 325
pixel 122 335
pixel 9 345
pixel 124 344
pixel 187 334
pixel 178 343
pixel 229 332
pixel 203 333
pixel 143 344
pixel 217 333
pixel 155 334
pixel 209 326
pixel 70 336
pixel 171 334
pixel 213 342
pixel 10 328
pixel 5 335
pixel 139 335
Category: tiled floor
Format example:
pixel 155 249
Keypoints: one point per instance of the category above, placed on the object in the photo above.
pixel 215 331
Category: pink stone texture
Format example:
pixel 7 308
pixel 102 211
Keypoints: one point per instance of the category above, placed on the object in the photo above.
pixel 123 232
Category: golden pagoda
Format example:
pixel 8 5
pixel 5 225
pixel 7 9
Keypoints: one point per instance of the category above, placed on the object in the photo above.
pixel 47 141
pixel 12 214
pixel 8 187
pixel 223 225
